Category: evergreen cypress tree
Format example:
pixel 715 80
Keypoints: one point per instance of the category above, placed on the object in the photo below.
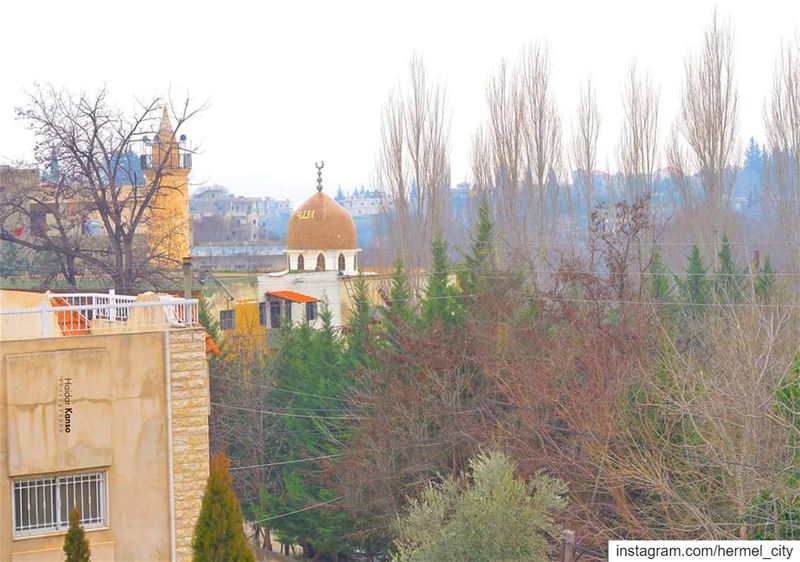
pixel 753 157
pixel 440 302
pixel 218 534
pixel 208 321
pixel 76 547
pixel 658 285
pixel 728 279
pixel 312 370
pixel 695 289
pixel 358 331
pixel 479 264
pixel 398 312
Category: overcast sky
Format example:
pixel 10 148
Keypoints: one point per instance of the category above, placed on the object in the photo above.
pixel 289 83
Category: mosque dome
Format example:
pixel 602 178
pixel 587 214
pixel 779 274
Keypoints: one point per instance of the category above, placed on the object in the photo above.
pixel 321 224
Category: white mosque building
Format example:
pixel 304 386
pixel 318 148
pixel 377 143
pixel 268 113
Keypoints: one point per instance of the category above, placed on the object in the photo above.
pixel 321 257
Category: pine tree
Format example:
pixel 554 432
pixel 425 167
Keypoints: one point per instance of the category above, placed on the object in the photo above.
pixel 441 303
pixel 658 285
pixel 358 328
pixel 218 534
pixel 398 311
pixel 479 264
pixel 76 546
pixel 312 377
pixel 695 289
pixel 208 321
pixel 753 157
pixel 727 280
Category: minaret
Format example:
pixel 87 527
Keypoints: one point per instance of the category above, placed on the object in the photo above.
pixel 170 232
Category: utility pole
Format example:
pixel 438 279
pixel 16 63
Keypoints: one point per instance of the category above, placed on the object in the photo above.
pixel 187 277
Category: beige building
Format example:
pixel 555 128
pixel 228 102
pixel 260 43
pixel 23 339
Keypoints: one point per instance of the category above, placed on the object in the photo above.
pixel 103 407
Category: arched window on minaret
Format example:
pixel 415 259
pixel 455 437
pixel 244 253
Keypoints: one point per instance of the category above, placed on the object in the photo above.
pixel 301 263
pixel 341 262
pixel 320 263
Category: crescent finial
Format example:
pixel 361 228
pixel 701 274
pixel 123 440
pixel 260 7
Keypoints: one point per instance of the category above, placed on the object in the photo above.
pixel 319 166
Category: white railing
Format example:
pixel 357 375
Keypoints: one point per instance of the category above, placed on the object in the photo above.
pixel 109 305
pixel 77 314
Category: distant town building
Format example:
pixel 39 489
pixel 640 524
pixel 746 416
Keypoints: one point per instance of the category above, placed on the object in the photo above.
pixel 220 216
pixel 239 256
pixel 105 410
pixel 361 202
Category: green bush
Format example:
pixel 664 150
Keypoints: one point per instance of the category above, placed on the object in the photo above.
pixel 489 515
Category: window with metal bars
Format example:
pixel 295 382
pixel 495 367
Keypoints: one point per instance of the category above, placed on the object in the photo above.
pixel 42 505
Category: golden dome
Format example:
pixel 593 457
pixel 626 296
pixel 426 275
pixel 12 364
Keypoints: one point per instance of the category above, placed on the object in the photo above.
pixel 321 224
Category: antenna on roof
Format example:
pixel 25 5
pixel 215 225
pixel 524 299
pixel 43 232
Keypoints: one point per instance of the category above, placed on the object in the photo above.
pixel 319 174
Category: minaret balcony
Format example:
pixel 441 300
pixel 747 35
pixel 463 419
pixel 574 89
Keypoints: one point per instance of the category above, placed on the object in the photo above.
pixel 184 161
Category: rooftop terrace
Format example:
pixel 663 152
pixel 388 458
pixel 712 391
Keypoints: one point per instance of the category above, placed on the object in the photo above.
pixel 28 315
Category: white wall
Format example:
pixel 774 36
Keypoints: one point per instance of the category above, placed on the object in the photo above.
pixel 331 260
pixel 323 285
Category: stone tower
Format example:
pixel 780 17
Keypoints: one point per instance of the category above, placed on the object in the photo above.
pixel 169 162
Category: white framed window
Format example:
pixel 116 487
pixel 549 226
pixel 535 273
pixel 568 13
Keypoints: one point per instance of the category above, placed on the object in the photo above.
pixel 42 505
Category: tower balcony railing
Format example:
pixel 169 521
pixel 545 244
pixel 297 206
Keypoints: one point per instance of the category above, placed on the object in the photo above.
pixel 184 161
pixel 81 314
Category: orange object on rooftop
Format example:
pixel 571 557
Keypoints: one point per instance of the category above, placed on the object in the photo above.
pixel 71 322
pixel 292 296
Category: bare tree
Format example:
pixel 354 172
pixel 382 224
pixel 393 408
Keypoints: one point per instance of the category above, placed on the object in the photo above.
pixel 498 156
pixel 542 132
pixel 517 155
pixel 585 132
pixel 678 160
pixel 414 164
pixel 718 447
pixel 709 118
pixel 638 143
pixel 89 146
pixel 782 119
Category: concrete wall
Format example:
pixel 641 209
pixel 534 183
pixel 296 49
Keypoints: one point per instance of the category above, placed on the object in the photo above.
pixel 119 424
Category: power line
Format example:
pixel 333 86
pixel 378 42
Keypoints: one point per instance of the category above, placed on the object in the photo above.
pixel 291 414
pixel 316 505
pixel 277 389
pixel 281 463
pixel 287 414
